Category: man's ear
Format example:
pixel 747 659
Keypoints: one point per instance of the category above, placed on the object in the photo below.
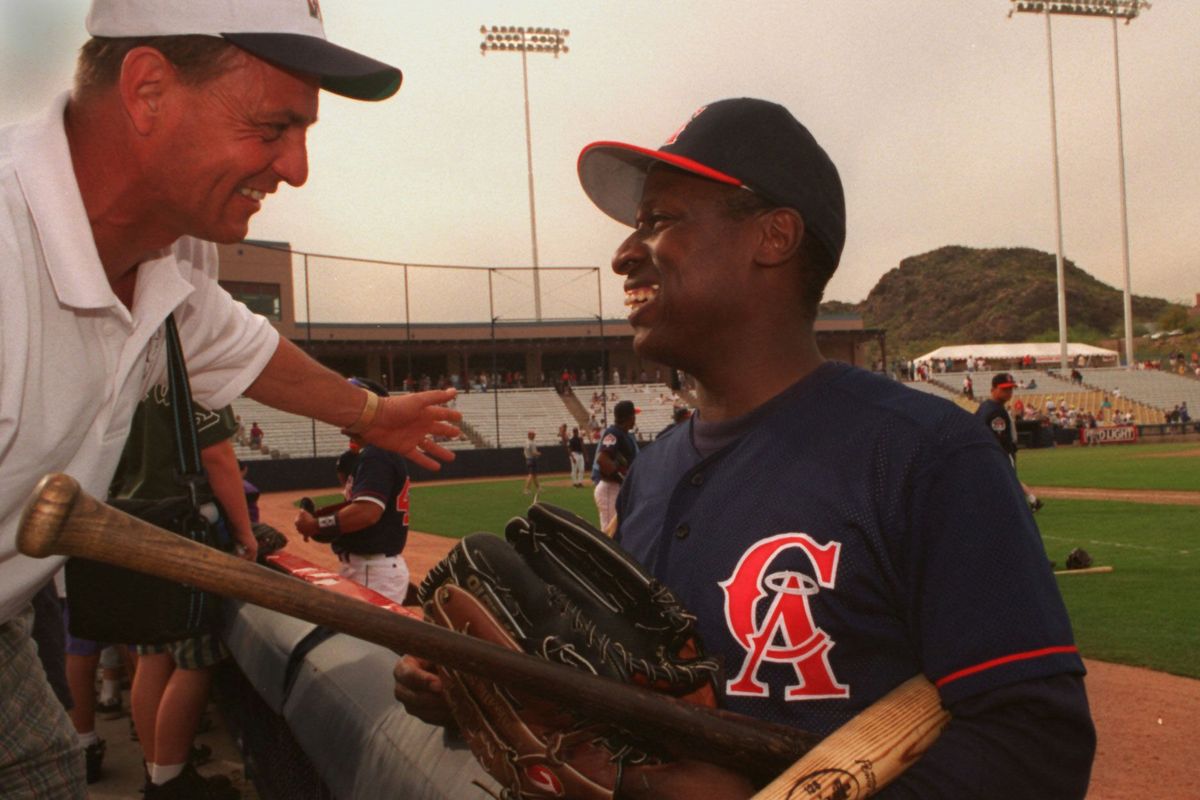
pixel 146 77
pixel 782 230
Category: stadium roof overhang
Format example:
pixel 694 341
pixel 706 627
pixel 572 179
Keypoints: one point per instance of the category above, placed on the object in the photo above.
pixel 1040 351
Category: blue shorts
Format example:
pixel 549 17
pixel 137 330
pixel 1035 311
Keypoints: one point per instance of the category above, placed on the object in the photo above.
pixel 76 646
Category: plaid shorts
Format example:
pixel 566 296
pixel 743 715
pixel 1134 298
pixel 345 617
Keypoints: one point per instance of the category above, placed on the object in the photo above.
pixel 40 755
pixel 198 652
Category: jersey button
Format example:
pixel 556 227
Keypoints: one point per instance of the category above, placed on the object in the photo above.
pixel 682 531
pixel 697 479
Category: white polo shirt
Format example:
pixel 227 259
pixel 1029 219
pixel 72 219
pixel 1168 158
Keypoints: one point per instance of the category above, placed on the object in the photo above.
pixel 74 362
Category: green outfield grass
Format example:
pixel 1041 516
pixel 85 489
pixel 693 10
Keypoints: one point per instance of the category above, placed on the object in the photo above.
pixel 462 508
pixel 1136 466
pixel 1144 613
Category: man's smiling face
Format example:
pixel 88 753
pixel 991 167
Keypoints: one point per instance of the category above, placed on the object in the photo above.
pixel 685 266
pixel 233 140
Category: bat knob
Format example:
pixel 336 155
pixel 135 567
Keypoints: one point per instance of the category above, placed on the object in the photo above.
pixel 45 515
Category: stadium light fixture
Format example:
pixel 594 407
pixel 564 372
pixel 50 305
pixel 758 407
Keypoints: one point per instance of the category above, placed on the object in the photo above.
pixel 1127 10
pixel 509 38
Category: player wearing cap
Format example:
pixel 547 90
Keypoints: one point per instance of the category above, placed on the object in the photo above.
pixel 614 455
pixel 993 412
pixel 367 532
pixel 184 117
pixel 834 532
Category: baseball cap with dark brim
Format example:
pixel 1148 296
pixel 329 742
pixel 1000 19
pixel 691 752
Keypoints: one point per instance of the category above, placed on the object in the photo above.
pixel 754 144
pixel 288 33
pixel 1002 381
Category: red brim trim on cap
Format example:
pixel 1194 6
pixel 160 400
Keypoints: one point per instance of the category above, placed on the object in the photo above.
pixel 1003 385
pixel 686 164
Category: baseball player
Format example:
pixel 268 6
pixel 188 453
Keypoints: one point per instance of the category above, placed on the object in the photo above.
pixel 993 412
pixel 834 532
pixel 614 455
pixel 367 532
pixel 531 464
pixel 575 451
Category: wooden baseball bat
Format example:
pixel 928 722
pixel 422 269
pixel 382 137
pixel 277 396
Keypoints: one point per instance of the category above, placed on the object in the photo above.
pixel 867 752
pixel 61 519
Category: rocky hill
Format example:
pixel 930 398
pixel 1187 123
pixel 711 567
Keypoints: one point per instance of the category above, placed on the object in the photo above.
pixel 956 295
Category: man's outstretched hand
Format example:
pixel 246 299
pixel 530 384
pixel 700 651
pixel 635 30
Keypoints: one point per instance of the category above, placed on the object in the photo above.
pixel 406 424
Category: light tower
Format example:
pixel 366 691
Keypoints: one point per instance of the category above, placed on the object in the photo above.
pixel 508 38
pixel 1113 9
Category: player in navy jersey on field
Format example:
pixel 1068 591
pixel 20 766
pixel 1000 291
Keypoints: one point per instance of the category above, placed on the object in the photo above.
pixel 614 455
pixel 834 532
pixel 367 532
pixel 994 414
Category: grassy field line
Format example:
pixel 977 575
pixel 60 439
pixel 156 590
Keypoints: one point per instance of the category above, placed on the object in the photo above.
pixel 1145 547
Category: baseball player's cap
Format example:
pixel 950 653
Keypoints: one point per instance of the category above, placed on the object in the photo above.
pixel 289 33
pixel 1002 380
pixel 755 144
pixel 624 409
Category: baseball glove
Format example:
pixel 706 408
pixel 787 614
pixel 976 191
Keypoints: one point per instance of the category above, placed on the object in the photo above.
pixel 560 589
pixel 269 540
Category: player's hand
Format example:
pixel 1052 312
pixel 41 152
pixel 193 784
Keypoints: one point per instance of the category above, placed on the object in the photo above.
pixel 246 546
pixel 306 525
pixel 406 424
pixel 419 688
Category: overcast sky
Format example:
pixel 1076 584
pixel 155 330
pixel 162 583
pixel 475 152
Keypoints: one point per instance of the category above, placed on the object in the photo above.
pixel 935 111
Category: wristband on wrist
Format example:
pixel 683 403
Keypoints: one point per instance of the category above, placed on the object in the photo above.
pixel 366 418
pixel 329 524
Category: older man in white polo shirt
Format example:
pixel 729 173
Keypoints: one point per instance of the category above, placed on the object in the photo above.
pixel 184 117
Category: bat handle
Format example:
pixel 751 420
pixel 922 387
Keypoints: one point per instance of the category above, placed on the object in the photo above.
pixel 44 518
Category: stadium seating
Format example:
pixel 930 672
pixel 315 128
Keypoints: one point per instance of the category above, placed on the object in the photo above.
pixel 1161 390
pixel 655 403
pixel 519 411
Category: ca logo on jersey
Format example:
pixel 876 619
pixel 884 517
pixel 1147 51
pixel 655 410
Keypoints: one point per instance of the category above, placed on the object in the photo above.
pixel 787 633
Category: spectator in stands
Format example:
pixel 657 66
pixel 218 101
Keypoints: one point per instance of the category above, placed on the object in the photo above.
pixel 1032 383
pixel 531 465
pixel 256 436
pixel 1076 376
pixel 369 531
pixel 82 657
pixel 968 389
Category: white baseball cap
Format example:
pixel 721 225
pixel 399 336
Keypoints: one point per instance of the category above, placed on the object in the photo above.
pixel 290 33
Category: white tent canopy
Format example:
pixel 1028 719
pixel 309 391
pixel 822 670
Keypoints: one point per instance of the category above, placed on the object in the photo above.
pixel 1042 352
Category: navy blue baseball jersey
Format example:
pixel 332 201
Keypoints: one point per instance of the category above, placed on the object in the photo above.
pixel 618 443
pixel 841 538
pixel 996 417
pixel 381 477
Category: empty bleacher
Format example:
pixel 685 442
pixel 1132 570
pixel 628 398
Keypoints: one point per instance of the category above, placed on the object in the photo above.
pixel 519 411
pixel 1156 388
pixel 655 403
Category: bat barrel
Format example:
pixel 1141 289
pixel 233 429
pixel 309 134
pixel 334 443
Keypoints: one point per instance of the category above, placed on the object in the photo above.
pixel 43 521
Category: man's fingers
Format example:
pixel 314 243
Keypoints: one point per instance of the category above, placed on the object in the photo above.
pixel 435 450
pixel 421 460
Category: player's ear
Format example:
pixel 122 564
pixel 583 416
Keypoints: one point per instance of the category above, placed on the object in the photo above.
pixel 781 230
pixel 146 77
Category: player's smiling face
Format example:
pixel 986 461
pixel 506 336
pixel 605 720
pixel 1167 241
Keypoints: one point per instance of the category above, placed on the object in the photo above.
pixel 232 141
pixel 683 266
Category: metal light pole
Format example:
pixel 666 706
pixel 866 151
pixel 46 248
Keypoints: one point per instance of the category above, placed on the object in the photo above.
pixel 526 40
pixel 1114 9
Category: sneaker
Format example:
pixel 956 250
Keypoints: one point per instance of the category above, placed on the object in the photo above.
pixel 110 709
pixel 191 785
pixel 94 756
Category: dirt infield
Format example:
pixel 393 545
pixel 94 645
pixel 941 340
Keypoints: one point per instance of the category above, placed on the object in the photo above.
pixel 1158 496
pixel 1145 721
